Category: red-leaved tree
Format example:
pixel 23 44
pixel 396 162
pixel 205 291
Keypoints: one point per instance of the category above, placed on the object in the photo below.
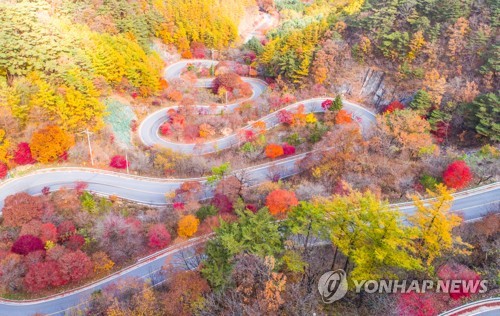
pixel 456 271
pixel 42 275
pixel 285 117
pixel 48 231
pixel 179 206
pixel 21 208
pixel 22 155
pixel 440 131
pixel 31 228
pixel 26 244
pixel 118 162
pixel 326 104
pixel 75 242
pixel 198 50
pixel 222 203
pixel 158 236
pixel 457 175
pixel 75 266
pixel 80 187
pixel 393 106
pixel 228 81
pixel 416 304
pixel 165 129
pixel 252 208
pixel 247 135
pixel 65 230
pixel 288 149
pixel 3 170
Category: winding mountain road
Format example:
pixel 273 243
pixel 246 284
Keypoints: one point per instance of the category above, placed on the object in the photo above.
pixel 149 129
pixel 472 204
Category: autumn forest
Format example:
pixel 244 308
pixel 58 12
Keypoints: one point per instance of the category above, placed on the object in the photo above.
pixel 205 157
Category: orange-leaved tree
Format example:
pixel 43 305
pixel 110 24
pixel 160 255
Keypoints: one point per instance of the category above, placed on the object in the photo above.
pixel 188 226
pixel 206 130
pixel 274 150
pixel 50 143
pixel 279 201
pixel 343 117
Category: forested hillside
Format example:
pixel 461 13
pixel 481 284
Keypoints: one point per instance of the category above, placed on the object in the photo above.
pixel 385 51
pixel 61 60
pixel 55 70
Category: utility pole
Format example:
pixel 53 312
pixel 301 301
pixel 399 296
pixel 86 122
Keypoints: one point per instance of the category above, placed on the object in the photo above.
pixel 126 161
pixel 90 146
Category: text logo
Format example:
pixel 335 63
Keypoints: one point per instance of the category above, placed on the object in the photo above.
pixel 332 286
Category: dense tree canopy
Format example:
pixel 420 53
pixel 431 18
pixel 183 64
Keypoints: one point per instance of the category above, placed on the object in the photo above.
pixel 290 55
pixel 212 23
pixel 27 43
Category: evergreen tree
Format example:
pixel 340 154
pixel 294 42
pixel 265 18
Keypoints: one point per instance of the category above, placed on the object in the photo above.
pixel 421 102
pixel 254 45
pixel 256 234
pixel 487 112
pixel 337 103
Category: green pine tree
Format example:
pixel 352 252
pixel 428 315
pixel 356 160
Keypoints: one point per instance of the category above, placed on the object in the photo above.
pixel 487 109
pixel 256 234
pixel 421 102
pixel 337 104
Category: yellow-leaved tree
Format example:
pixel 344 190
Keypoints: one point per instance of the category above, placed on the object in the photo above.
pixel 370 235
pixel 119 59
pixel 211 22
pixel 353 6
pixel 4 147
pixel 188 226
pixel 71 105
pixel 290 54
pixel 435 85
pixel 102 262
pixel 434 223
